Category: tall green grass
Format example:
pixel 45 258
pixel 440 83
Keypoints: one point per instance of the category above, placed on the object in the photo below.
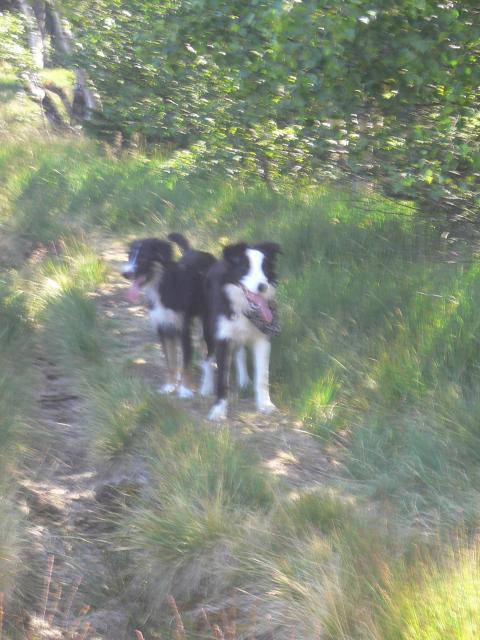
pixel 60 288
pixel 379 322
pixel 16 385
pixel 203 490
pixel 436 599
pixel 123 409
pixel 378 352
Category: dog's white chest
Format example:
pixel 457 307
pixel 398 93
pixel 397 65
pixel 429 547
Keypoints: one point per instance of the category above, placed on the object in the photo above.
pixel 160 316
pixel 238 328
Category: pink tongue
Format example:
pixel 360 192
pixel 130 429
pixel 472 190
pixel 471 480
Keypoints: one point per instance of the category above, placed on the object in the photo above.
pixel 133 293
pixel 262 304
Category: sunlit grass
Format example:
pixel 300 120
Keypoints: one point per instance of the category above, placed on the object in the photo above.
pixel 378 323
pixel 64 78
pixel 20 117
pixel 379 350
pixel 318 512
pixel 205 490
pixel 123 410
pixel 437 600
pixel 61 268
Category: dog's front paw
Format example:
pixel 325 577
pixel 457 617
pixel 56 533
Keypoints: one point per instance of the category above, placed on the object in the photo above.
pixel 167 388
pixel 267 408
pixel 184 392
pixel 218 411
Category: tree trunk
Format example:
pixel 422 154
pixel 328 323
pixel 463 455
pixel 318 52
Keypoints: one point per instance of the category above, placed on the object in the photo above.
pixel 63 38
pixel 40 13
pixel 35 40
pixel 84 101
pixel 39 19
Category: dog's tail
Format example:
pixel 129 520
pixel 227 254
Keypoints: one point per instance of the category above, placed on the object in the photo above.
pixel 180 240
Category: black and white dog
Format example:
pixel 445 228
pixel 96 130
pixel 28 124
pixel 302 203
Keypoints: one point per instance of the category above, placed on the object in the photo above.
pixel 175 295
pixel 240 291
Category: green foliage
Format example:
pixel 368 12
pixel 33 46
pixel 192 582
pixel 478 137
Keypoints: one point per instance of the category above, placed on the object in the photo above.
pixel 292 90
pixel 20 118
pixel 14 53
pixel 69 186
pixel 58 287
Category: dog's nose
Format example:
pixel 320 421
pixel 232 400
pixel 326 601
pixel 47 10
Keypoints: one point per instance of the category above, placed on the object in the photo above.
pixel 127 273
pixel 262 287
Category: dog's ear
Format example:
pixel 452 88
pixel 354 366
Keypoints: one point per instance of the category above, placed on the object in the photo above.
pixel 234 253
pixel 163 252
pixel 269 248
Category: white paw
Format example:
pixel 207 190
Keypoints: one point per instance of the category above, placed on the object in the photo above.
pixel 218 411
pixel 267 408
pixel 167 388
pixel 184 392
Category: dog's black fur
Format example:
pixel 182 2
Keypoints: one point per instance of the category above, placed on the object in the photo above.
pixel 246 275
pixel 175 295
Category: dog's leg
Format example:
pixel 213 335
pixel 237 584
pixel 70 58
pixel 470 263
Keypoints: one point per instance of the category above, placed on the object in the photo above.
pixel 219 409
pixel 185 387
pixel 261 357
pixel 170 350
pixel 207 386
pixel 241 365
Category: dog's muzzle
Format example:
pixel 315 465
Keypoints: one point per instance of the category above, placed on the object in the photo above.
pixel 262 313
pixel 128 271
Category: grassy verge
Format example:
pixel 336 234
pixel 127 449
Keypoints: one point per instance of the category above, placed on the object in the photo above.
pixel 441 602
pixel 16 380
pixel 379 351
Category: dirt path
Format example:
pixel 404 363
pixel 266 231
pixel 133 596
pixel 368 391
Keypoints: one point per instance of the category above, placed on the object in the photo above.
pixel 285 448
pixel 62 493
pixel 67 557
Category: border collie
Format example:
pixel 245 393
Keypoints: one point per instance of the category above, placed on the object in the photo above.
pixel 240 291
pixel 175 295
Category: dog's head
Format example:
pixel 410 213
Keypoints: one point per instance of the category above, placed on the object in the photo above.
pixel 147 260
pixel 252 268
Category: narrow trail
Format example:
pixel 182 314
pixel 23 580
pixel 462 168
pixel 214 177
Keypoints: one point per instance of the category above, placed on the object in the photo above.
pixel 67 557
pixel 62 493
pixel 285 448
